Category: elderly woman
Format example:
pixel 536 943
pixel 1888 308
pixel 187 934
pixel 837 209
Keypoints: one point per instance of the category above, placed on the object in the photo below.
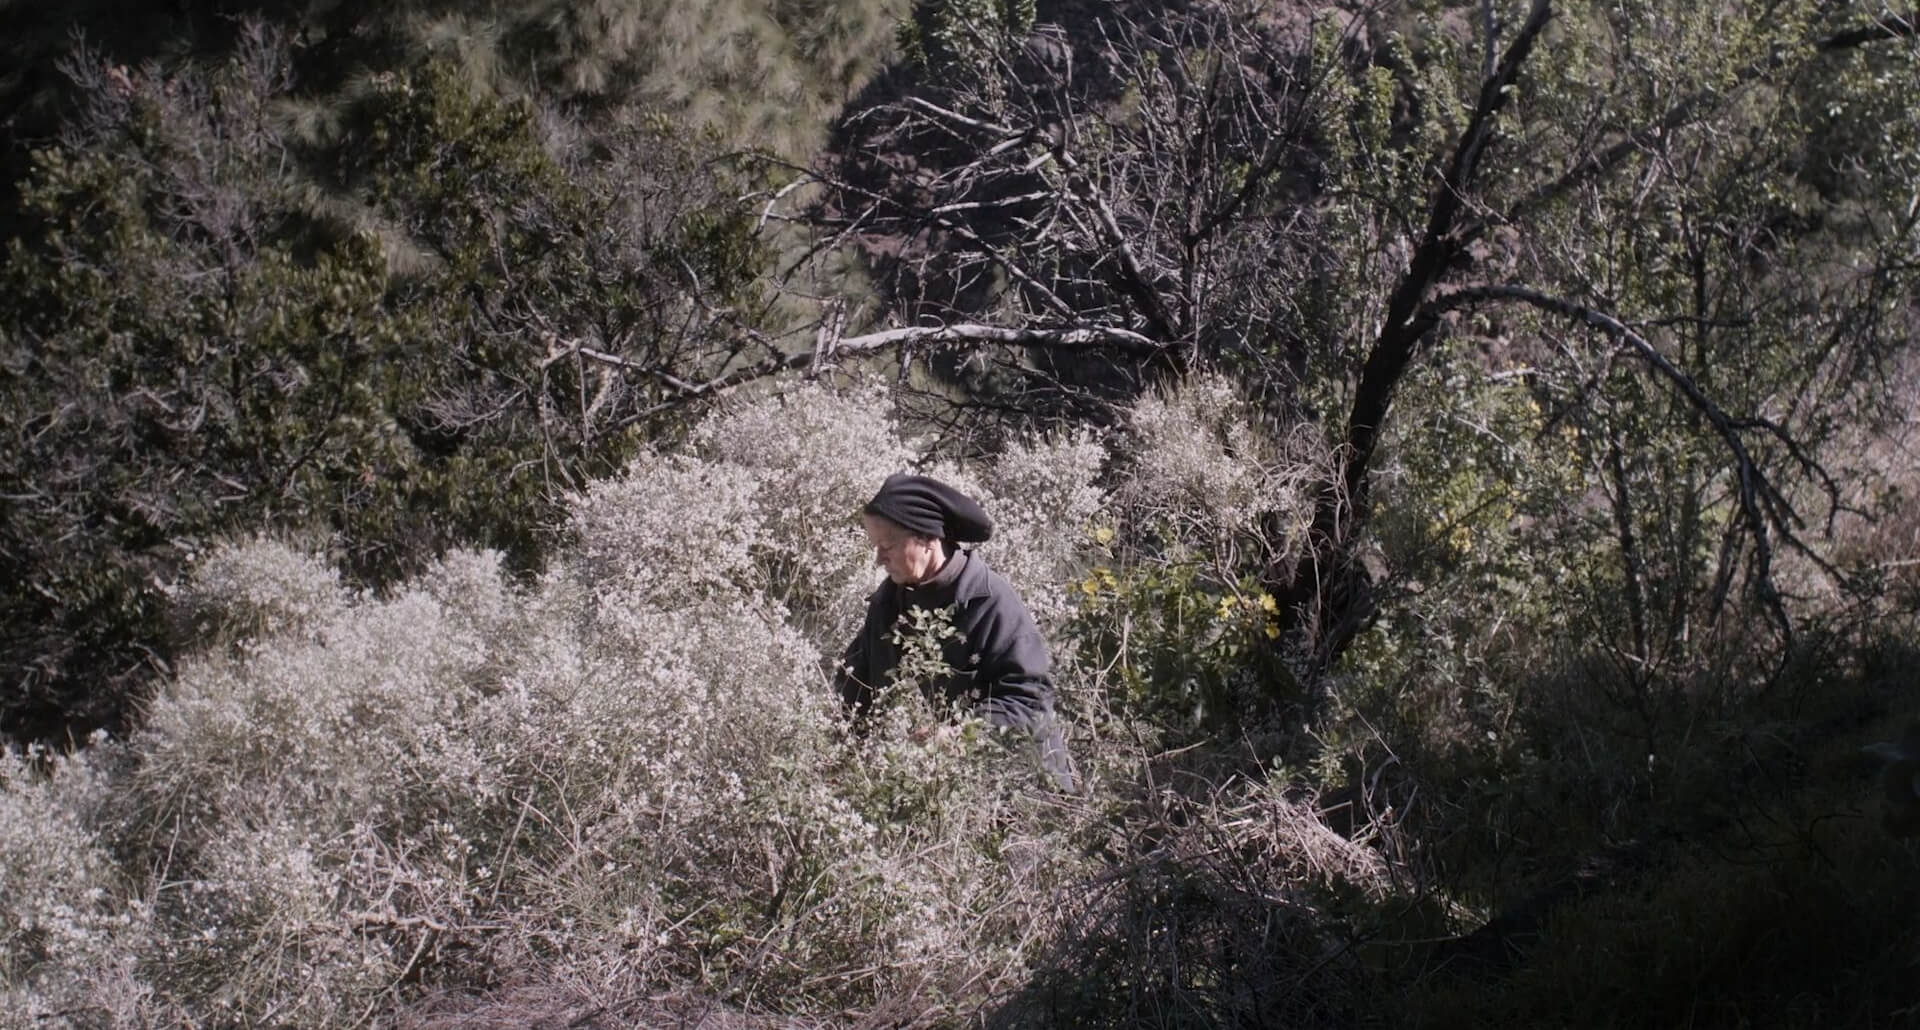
pixel 997 660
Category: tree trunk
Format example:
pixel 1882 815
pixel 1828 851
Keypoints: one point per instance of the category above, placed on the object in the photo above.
pixel 1326 596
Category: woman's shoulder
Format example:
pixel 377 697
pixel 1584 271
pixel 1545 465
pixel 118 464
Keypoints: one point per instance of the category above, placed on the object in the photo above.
pixel 981 581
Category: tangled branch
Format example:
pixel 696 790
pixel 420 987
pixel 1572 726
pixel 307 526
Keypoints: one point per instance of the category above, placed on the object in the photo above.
pixel 1764 506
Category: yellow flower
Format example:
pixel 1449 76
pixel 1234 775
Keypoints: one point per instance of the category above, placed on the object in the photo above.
pixel 1268 604
pixel 1103 535
pixel 1273 631
pixel 1090 586
pixel 1461 539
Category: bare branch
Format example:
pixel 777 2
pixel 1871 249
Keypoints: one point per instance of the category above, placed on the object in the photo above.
pixel 682 390
pixel 976 124
pixel 1134 280
pixel 1407 319
pixel 1323 596
pixel 1092 336
pixel 1276 153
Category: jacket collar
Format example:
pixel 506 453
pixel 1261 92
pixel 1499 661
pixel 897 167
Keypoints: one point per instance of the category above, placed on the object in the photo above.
pixel 962 578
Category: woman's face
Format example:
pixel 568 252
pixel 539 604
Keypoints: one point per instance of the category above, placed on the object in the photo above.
pixel 908 559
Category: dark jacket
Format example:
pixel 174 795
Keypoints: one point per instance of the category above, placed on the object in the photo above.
pixel 998 658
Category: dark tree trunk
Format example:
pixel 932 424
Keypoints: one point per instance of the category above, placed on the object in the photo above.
pixel 1326 596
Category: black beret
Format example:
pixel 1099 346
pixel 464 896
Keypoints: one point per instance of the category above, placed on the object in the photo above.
pixel 931 508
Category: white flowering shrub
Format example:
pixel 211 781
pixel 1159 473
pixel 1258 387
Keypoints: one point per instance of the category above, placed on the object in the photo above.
pixel 674 528
pixel 817 457
pixel 254 930
pixel 351 721
pixel 69 929
pixel 1045 501
pixel 1195 461
pixel 1170 606
pixel 633 770
pixel 259 587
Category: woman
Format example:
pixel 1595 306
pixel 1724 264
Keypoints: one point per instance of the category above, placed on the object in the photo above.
pixel 996 662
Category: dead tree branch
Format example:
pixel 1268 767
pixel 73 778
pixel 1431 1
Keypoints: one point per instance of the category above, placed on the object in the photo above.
pixel 680 390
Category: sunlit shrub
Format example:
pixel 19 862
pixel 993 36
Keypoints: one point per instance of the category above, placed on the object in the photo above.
pixel 672 527
pixel 1196 461
pixel 632 769
pixel 1207 501
pixel 70 928
pixel 1045 502
pixel 816 458
pixel 635 764
pixel 259 588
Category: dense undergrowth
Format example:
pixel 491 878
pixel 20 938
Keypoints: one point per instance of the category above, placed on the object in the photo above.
pixel 627 782
pixel 406 456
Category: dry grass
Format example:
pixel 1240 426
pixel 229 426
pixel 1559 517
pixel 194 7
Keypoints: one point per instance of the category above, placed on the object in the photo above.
pixel 578 1008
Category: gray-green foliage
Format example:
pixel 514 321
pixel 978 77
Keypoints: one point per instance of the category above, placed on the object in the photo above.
pixel 762 75
pixel 1768 265
pixel 1572 392
pixel 203 334
pixel 964 39
pixel 627 779
pixel 1646 225
pixel 1554 643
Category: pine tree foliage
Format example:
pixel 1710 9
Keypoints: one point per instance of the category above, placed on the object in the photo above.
pixel 201 336
pixel 762 75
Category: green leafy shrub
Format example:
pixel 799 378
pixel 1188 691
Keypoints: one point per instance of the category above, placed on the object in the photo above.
pixel 202 335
